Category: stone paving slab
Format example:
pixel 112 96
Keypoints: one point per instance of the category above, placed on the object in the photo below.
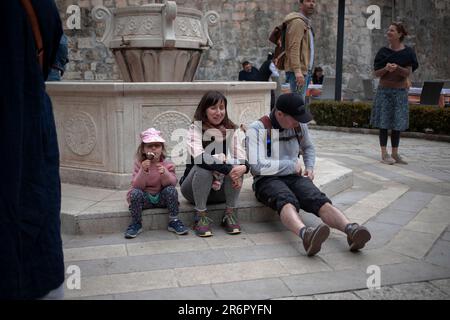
pixel 443 285
pixel 439 254
pixel 437 211
pixel 97 252
pixel 229 272
pixel 446 236
pixel 272 237
pixel 415 291
pixel 407 173
pixel 169 246
pixel 204 292
pixel 303 264
pixel 382 233
pixel 395 216
pixel 412 272
pixel 370 206
pixel 325 282
pixel 164 261
pixel 120 283
pixel 363 259
pixel 412 201
pixel 252 290
pixel 264 252
pixel 413 244
pixel 337 296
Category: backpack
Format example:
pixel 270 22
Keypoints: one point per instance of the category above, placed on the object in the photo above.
pixel 268 126
pixel 278 37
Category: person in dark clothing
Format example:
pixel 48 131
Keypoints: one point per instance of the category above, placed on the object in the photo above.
pixel 267 70
pixel 31 255
pixel 318 76
pixel 249 73
pixel 59 66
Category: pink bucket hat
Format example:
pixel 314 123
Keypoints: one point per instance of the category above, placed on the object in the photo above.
pixel 151 135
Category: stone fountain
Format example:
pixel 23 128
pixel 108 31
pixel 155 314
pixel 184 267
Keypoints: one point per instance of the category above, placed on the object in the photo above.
pixel 158 48
pixel 157 42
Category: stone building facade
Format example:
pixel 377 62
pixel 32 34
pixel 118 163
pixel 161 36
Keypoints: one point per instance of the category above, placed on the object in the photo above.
pixel 245 25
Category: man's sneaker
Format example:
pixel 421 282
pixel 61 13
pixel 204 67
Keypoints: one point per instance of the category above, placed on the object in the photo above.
pixel 357 237
pixel 314 237
pixel 231 224
pixel 133 230
pixel 202 225
pixel 177 226
pixel 387 159
pixel 398 159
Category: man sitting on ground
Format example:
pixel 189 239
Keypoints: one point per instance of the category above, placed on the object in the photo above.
pixel 281 184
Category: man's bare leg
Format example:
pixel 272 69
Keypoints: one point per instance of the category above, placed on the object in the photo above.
pixel 290 219
pixel 312 237
pixel 333 217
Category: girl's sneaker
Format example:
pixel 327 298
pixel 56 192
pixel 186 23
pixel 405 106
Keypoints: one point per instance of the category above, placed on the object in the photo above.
pixel 177 226
pixel 133 230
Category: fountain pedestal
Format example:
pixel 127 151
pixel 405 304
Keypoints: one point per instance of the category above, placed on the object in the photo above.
pixel 98 123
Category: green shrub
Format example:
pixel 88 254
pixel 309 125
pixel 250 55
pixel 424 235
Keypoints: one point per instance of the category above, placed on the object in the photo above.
pixel 357 114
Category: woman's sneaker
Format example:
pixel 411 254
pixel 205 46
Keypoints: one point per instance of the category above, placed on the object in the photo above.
pixel 177 226
pixel 231 224
pixel 133 230
pixel 202 225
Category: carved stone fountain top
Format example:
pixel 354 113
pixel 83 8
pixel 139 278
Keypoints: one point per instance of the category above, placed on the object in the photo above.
pixel 151 41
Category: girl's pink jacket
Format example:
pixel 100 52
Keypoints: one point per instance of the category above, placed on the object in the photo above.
pixel 152 182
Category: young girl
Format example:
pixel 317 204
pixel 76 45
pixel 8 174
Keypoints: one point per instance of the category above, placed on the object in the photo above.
pixel 153 184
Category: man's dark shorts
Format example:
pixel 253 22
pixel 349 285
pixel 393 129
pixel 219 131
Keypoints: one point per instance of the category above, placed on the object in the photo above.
pixel 276 192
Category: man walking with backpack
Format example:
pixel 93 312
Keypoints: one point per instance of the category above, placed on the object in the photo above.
pixel 299 44
pixel 274 145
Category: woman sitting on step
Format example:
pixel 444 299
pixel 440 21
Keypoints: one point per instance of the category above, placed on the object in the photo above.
pixel 153 184
pixel 217 164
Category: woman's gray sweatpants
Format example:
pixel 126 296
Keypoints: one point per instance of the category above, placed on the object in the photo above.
pixel 196 188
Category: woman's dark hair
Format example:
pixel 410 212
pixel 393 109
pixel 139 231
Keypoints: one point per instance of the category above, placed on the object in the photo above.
pixel 400 29
pixel 209 99
pixel 317 69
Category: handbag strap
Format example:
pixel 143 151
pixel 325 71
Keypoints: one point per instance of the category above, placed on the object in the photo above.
pixel 32 18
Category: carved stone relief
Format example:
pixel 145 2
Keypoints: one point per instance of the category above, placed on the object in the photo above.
pixel 249 113
pixel 80 133
pixel 150 25
pixel 166 122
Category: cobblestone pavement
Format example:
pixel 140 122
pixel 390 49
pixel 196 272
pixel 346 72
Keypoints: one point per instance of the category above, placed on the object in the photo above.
pixel 406 208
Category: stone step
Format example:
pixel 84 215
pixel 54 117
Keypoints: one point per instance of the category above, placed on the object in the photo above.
pixel 87 210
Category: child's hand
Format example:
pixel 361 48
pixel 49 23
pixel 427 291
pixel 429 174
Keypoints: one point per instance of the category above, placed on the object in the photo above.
pixel 146 165
pixel 161 168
